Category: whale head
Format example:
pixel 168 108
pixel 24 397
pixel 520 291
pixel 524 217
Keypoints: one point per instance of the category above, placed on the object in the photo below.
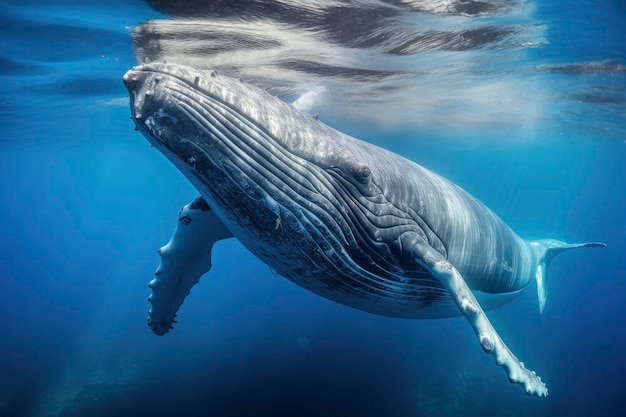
pixel 223 133
pixel 178 115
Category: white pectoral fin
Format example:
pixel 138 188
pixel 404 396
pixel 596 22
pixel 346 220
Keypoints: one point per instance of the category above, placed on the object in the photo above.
pixel 488 338
pixel 184 259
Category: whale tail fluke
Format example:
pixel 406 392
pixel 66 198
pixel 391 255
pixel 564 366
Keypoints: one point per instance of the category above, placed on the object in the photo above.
pixel 546 250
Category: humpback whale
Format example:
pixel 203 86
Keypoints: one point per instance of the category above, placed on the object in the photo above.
pixel 343 218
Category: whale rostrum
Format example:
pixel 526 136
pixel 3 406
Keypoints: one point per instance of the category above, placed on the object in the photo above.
pixel 343 218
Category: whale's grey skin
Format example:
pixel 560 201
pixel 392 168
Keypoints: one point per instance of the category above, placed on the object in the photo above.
pixel 340 217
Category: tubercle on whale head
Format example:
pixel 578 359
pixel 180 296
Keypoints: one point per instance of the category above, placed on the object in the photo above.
pixel 169 87
pixel 178 110
pixel 147 102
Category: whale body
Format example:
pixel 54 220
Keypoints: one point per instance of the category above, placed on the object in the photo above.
pixel 343 218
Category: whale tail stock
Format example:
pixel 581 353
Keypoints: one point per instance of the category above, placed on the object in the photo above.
pixel 546 250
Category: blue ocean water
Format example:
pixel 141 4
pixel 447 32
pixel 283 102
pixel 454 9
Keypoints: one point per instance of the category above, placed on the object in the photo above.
pixel 527 113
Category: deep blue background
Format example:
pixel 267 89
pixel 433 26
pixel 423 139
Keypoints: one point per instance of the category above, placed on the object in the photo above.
pixel 85 203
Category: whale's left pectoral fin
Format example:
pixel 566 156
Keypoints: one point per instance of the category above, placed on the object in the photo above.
pixel 489 339
pixel 184 259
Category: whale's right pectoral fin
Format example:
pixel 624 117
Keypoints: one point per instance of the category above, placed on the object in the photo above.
pixel 184 259
pixel 489 339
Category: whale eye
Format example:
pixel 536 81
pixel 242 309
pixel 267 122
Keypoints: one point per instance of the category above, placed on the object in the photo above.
pixel 363 174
